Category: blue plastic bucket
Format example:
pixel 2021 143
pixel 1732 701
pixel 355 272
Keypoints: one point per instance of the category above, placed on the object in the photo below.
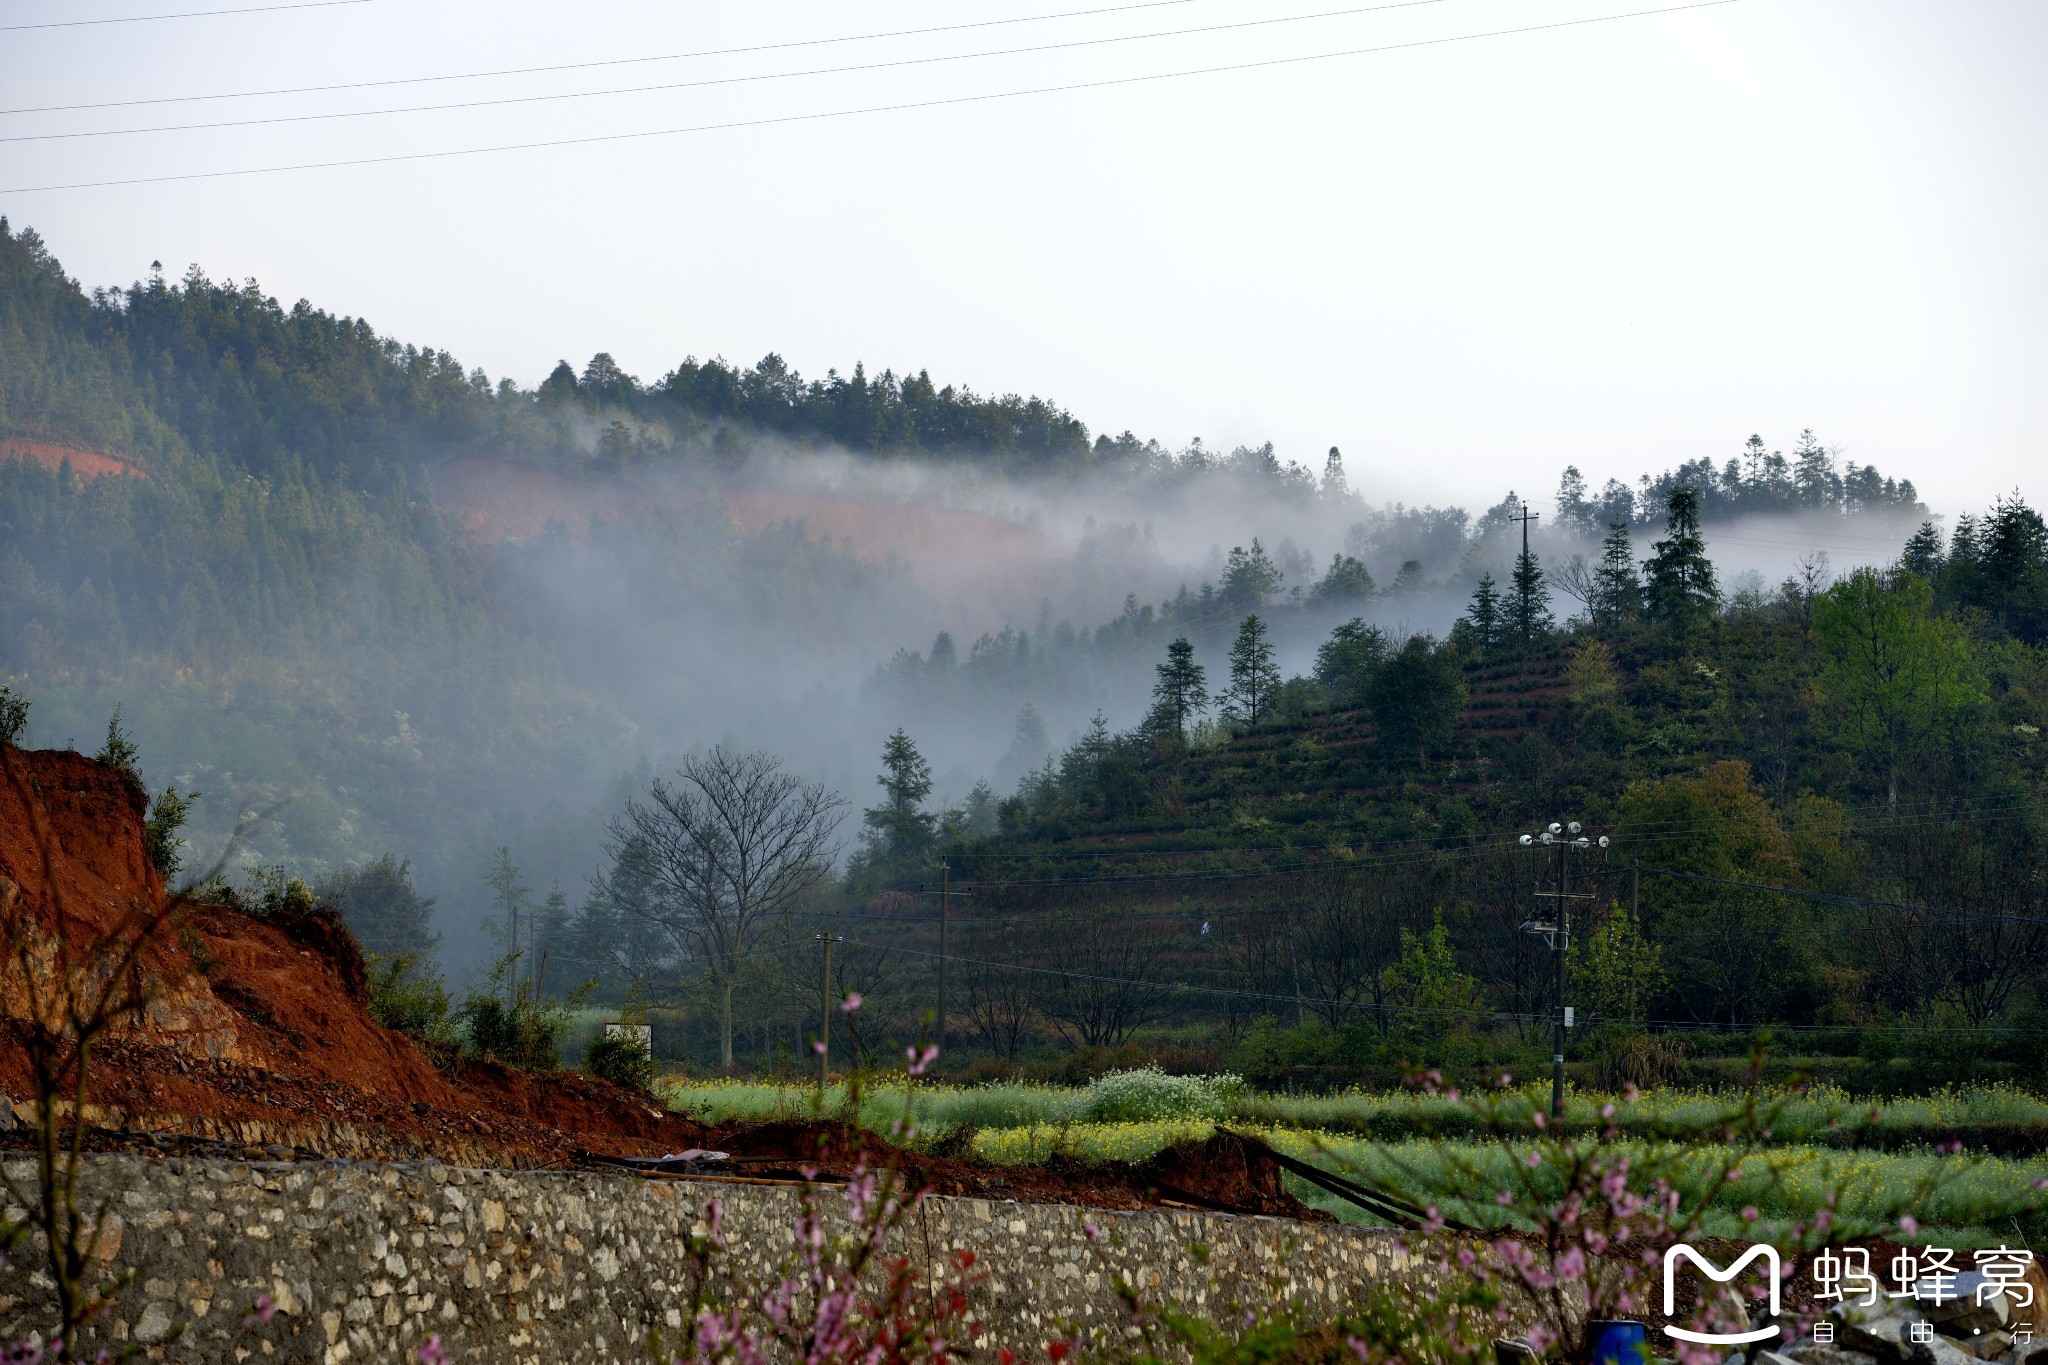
pixel 1618 1342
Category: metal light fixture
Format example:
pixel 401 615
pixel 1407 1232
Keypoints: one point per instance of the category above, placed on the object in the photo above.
pixel 1556 930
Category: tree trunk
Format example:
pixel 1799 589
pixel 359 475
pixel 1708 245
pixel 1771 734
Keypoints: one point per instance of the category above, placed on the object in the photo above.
pixel 725 1025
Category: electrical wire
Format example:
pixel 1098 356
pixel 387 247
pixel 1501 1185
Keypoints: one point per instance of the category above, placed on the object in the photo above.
pixel 1497 1016
pixel 591 65
pixel 1855 901
pixel 183 14
pixel 712 80
pixel 781 120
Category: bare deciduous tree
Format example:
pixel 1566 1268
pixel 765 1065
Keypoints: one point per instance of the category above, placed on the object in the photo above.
pixel 1576 579
pixel 733 841
pixel 1328 945
pixel 1103 991
pixel 1000 1000
pixel 1980 941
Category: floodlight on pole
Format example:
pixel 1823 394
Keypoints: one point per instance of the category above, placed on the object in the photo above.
pixel 1556 931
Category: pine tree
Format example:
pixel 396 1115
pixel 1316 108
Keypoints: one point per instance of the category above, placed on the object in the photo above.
pixel 1181 694
pixel 1348 582
pixel 551 941
pixel 1250 577
pixel 1617 596
pixel 511 900
pixel 1527 606
pixel 900 828
pixel 1923 552
pixel 979 818
pixel 1253 677
pixel 1678 580
pixel 1346 662
pixel 1813 472
pixel 1335 485
pixel 1483 617
pixel 1574 511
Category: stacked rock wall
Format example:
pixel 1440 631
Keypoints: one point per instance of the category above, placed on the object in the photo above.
pixel 363 1261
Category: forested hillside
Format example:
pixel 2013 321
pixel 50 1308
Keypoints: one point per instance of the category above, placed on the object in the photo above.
pixel 1827 806
pixel 456 625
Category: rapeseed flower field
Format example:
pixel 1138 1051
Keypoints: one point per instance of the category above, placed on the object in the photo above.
pixel 1429 1146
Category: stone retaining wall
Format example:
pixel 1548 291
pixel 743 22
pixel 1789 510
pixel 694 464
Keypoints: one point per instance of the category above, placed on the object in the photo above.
pixel 364 1261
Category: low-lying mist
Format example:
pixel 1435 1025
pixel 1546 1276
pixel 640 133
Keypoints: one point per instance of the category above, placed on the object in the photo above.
pixel 812 602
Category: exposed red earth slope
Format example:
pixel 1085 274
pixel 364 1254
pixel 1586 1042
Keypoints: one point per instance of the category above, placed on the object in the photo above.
pixel 979 568
pixel 87 464
pixel 260 1027
pixel 260 1037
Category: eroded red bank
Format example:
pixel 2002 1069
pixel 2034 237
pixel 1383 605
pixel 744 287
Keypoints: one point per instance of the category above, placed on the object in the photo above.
pixel 260 1038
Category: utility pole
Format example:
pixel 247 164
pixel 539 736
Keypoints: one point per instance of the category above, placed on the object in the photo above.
pixel 945 894
pixel 824 1011
pixel 1559 942
pixel 1526 517
pixel 1556 931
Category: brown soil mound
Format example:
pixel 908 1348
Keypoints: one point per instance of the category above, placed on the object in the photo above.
pixel 1224 1173
pixel 259 1038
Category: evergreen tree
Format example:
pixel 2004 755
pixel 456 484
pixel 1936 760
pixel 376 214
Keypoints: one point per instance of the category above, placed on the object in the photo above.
pixel 620 936
pixel 511 905
pixel 900 829
pixel 1335 485
pixel 978 817
pixel 1575 512
pixel 1527 606
pixel 1416 699
pixel 2014 565
pixel 1347 583
pixel 1616 594
pixel 1483 617
pixel 379 904
pixel 1249 578
pixel 551 942
pixel 1678 579
pixel 1813 473
pixel 1181 694
pixel 1923 552
pixel 1253 676
pixel 1346 662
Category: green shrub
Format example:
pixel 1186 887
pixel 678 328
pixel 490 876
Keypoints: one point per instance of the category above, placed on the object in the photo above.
pixel 407 994
pixel 271 893
pixel 120 752
pixel 160 839
pixel 13 716
pixel 1149 1094
pixel 622 1059
pixel 515 1026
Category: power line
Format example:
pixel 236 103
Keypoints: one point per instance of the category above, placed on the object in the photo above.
pixel 788 119
pixel 592 65
pixel 1497 1016
pixel 714 80
pixel 182 14
pixel 1856 901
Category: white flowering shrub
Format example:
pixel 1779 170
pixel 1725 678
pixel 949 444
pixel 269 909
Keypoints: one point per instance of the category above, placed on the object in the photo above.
pixel 1148 1094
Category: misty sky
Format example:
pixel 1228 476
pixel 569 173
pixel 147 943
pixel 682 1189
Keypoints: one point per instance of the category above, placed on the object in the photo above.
pixel 1620 245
